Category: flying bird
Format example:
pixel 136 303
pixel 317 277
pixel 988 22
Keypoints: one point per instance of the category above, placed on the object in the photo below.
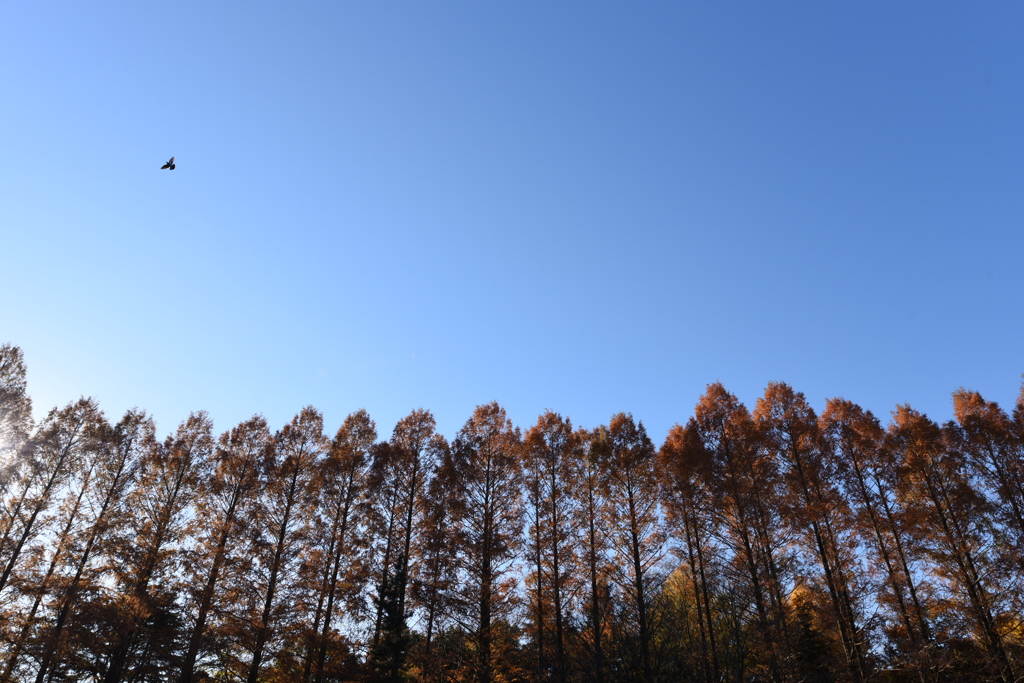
pixel 169 164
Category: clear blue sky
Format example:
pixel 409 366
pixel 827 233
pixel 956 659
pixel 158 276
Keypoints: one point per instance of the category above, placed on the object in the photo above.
pixel 588 207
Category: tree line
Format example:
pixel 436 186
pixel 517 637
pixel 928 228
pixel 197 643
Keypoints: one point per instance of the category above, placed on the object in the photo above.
pixel 768 545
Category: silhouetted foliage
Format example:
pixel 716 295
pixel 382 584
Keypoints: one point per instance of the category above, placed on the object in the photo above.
pixel 387 659
pixel 777 544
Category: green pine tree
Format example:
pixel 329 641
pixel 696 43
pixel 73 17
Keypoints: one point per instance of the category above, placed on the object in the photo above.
pixel 388 658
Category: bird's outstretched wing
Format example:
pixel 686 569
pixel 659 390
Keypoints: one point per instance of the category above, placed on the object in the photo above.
pixel 169 164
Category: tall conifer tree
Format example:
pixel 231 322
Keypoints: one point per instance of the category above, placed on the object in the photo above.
pixel 52 457
pixel 488 476
pixel 814 507
pixel 984 434
pixel 744 488
pixel 435 583
pixel 280 532
pixel 223 506
pixel 15 409
pixel 146 554
pixel 951 519
pixel 35 579
pixel 342 487
pixel 550 454
pixel 119 455
pixel 684 464
pixel 853 445
pixel 589 489
pixel 632 493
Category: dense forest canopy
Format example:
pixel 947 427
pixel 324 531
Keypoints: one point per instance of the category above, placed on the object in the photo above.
pixel 772 544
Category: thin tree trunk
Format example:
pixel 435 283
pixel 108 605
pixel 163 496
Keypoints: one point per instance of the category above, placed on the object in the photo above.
pixel 638 577
pixel 321 657
pixel 844 619
pixel 595 608
pixel 905 565
pixel 26 533
pixel 883 550
pixel 195 637
pixel 263 633
pixel 12 660
pixel 697 597
pixel 485 596
pixel 975 591
pixel 705 591
pixel 52 642
pixel 539 591
pixel 556 580
pixel 385 572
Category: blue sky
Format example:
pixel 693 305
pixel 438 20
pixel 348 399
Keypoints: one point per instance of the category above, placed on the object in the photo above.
pixel 583 207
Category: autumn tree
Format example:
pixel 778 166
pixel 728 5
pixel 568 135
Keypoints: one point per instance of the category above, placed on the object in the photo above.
pixel 1018 415
pixel 588 474
pixel 146 554
pixel 16 471
pixel 52 457
pixel 34 579
pixel 683 462
pixel 342 476
pixel 15 408
pixel 434 582
pixel 223 505
pixel 488 477
pixel 398 479
pixel 280 530
pixel 550 455
pixel 778 545
pixel 535 585
pixel 631 489
pixel 854 448
pixel 814 506
pixel 381 511
pixel 951 520
pixel 984 434
pixel 744 487
pixel 118 455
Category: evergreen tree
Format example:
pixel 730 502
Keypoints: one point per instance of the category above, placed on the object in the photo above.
pixel 387 660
